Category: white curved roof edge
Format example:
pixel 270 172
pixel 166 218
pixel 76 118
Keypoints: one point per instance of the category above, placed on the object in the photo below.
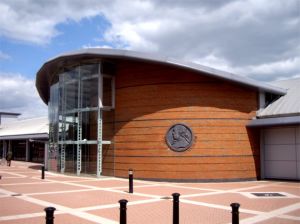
pixel 117 53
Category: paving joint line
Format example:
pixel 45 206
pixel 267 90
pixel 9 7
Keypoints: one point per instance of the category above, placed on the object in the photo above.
pixel 194 188
pixel 228 208
pixel 117 205
pixel 110 190
pixel 71 211
pixel 289 217
pixel 28 183
pixel 28 215
pixel 271 214
pixel 59 192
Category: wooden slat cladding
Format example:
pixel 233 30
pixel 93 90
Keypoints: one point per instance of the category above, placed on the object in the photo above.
pixel 196 129
pixel 193 175
pixel 152 97
pixel 200 137
pixel 192 122
pixel 192 152
pixel 208 144
pixel 187 160
pixel 190 167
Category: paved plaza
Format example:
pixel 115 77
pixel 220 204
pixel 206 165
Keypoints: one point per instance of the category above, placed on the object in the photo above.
pixel 83 200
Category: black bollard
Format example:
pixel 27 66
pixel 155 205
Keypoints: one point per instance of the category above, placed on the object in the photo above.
pixel 49 215
pixel 130 176
pixel 235 213
pixel 175 208
pixel 43 172
pixel 123 218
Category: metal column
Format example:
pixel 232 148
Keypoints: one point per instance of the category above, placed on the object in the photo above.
pixel 63 130
pixel 79 136
pixel 79 126
pixel 100 124
pixel 27 151
pixel 99 148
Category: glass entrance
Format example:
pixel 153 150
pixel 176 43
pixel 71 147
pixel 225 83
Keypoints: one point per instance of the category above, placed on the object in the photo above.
pixel 81 97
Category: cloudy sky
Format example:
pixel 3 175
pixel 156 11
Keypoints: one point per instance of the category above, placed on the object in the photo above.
pixel 255 38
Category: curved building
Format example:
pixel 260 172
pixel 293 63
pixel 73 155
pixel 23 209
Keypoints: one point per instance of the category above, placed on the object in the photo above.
pixel 114 110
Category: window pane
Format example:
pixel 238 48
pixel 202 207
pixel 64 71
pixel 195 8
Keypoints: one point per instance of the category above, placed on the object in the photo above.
pixel 69 84
pixel 71 158
pixel 107 91
pixel 89 159
pixel 108 125
pixel 53 107
pixel 19 149
pixel 89 92
pixel 89 125
pixel 89 85
pixel 71 95
pixel 71 124
pixel 86 71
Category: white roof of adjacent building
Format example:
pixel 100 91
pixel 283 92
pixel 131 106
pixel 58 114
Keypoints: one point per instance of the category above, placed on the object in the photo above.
pixel 287 105
pixel 29 128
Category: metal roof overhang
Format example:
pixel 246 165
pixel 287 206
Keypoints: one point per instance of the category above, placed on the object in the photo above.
pixel 26 136
pixel 52 66
pixel 9 114
pixel 275 121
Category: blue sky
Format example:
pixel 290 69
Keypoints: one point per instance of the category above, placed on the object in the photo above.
pixel 26 58
pixel 259 39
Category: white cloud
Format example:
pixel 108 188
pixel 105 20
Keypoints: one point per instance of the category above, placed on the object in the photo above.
pixel 214 61
pixel 4 56
pixel 251 37
pixel 283 67
pixel 19 95
pixel 35 21
pixel 277 70
pixel 96 46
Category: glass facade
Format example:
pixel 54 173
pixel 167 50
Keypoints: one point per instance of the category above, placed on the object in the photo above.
pixel 81 115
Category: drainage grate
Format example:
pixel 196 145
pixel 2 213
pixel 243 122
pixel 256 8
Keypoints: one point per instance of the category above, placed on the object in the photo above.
pixel 268 194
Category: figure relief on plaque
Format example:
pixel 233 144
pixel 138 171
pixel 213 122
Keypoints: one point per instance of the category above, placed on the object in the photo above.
pixel 179 137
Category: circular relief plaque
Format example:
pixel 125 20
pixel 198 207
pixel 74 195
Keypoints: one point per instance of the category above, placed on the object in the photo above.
pixel 179 137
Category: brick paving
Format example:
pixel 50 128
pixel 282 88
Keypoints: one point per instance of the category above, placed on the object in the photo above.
pixel 85 200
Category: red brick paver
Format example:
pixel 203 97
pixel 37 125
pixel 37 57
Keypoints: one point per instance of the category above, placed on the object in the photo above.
pixel 86 200
pixel 40 187
pixel 256 204
pixel 15 206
